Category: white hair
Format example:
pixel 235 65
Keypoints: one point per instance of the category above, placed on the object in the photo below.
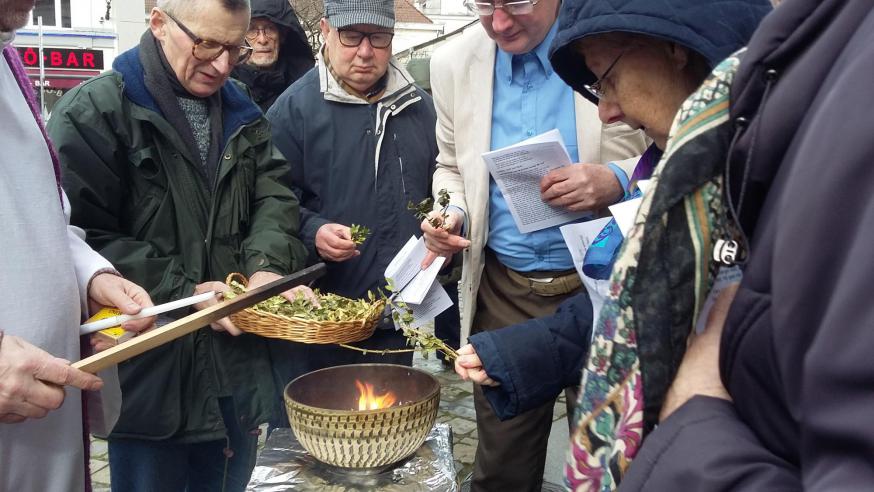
pixel 187 8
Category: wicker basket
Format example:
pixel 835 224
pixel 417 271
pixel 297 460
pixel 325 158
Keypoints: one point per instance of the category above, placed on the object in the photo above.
pixel 367 439
pixel 304 330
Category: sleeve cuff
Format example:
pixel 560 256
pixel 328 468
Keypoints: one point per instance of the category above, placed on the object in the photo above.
pixel 621 177
pixel 463 218
pixel 503 398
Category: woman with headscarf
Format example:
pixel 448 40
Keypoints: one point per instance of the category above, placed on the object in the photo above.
pixel 775 394
pixel 638 61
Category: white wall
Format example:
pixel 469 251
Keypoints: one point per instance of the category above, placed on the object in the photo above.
pixel 130 20
pixel 408 35
pixel 442 7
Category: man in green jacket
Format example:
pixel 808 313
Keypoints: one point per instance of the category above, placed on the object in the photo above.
pixel 172 173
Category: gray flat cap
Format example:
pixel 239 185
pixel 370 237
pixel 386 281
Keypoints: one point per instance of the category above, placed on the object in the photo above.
pixel 342 13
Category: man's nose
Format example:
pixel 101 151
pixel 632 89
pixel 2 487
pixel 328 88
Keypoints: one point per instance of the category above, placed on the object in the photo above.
pixel 609 112
pixel 223 63
pixel 501 21
pixel 365 49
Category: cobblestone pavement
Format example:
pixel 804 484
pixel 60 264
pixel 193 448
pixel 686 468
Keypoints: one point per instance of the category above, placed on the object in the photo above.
pixel 456 409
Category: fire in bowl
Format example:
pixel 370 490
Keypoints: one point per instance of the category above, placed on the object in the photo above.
pixel 362 415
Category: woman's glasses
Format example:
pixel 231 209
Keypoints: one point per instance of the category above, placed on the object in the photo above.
pixel 596 88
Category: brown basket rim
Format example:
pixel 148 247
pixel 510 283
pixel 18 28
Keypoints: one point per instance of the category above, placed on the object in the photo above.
pixel 374 312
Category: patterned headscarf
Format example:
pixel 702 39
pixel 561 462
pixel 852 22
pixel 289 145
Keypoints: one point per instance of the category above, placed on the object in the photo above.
pixel 659 284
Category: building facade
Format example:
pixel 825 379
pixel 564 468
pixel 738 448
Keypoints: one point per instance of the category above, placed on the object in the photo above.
pixel 78 40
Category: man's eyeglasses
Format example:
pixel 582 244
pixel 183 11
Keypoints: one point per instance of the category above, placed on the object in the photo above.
pixel 206 50
pixel 351 39
pixel 269 31
pixel 516 7
pixel 596 88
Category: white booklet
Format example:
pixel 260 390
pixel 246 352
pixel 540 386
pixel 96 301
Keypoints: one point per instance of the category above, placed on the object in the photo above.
pixel 434 303
pixel 518 169
pixel 418 288
pixel 578 238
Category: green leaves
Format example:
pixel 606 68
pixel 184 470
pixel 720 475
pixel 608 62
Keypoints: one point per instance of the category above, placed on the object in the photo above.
pixel 422 209
pixel 418 339
pixel 331 306
pixel 359 233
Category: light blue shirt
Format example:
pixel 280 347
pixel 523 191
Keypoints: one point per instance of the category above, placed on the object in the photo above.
pixel 529 99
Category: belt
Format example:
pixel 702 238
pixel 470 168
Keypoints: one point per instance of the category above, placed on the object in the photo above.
pixel 547 283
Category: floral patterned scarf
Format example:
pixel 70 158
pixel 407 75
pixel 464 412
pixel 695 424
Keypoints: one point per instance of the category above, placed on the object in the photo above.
pixel 659 283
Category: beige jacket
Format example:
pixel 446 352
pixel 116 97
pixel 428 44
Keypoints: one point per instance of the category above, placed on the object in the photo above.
pixel 462 72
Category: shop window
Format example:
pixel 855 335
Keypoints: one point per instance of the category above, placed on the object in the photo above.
pixel 55 13
pixel 46 10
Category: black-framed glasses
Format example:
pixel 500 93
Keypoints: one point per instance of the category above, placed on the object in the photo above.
pixel 595 88
pixel 516 7
pixel 270 31
pixel 378 40
pixel 207 50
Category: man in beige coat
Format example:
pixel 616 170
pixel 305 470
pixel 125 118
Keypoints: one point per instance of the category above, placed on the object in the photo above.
pixel 493 86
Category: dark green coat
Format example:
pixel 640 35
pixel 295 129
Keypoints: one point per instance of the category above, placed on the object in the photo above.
pixel 137 192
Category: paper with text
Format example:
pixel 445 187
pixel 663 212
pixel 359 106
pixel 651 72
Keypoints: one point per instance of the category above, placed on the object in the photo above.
pixel 435 302
pixel 407 263
pixel 418 288
pixel 518 169
pixel 578 238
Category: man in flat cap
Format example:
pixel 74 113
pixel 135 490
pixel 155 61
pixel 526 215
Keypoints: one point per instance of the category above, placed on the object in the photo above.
pixel 359 136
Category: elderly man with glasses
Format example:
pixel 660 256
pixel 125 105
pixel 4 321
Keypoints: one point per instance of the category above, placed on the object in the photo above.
pixel 172 173
pixel 280 52
pixel 360 138
pixel 494 87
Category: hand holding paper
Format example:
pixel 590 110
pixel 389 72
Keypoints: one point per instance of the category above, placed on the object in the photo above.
pixel 519 170
pixel 418 288
pixel 581 187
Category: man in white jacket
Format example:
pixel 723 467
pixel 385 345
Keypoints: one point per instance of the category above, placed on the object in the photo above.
pixel 493 87
pixel 51 279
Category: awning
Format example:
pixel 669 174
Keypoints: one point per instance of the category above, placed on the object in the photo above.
pixel 61 78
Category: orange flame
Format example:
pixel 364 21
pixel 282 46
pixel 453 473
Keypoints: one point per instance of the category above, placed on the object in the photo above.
pixel 367 400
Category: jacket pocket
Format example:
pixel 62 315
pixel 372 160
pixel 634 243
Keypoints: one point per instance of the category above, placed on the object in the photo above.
pixel 147 209
pixel 235 201
pixel 147 187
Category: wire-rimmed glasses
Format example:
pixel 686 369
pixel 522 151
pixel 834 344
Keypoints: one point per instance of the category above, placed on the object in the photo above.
pixel 595 88
pixel 515 7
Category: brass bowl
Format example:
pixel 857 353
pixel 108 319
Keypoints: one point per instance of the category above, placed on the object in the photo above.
pixel 322 404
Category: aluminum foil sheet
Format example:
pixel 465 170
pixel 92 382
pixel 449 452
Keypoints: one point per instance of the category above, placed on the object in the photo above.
pixel 285 465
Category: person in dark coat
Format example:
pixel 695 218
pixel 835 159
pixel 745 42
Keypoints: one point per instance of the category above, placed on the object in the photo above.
pixel 360 137
pixel 172 174
pixel 621 63
pixel 779 397
pixel 281 53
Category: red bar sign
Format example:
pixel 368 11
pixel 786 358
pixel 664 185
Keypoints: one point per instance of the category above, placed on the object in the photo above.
pixel 62 58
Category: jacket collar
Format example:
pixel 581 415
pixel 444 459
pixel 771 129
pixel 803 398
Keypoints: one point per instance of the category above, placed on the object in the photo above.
pixel 237 108
pixel 399 82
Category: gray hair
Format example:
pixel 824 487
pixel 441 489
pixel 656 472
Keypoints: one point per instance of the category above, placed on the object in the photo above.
pixel 188 7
